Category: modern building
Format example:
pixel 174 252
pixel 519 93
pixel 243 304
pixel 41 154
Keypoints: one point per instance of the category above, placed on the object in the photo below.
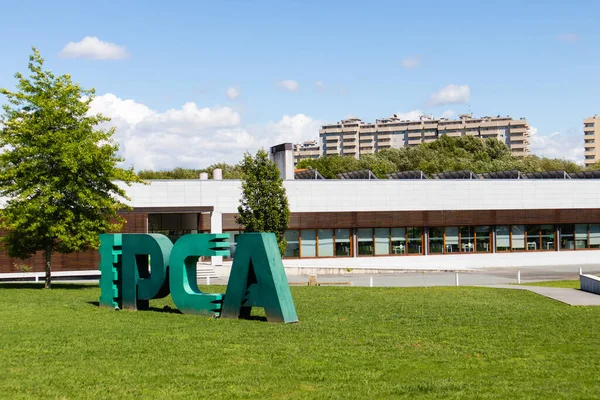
pixel 310 149
pixel 453 221
pixel 591 135
pixel 353 137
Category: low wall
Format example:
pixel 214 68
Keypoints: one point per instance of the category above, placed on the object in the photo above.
pixel 590 283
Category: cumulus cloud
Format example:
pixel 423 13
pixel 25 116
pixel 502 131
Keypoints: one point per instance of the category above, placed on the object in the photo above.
pixel 451 94
pixel 567 145
pixel 448 114
pixel 92 48
pixel 411 62
pixel 413 115
pixel 192 136
pixel 232 93
pixel 288 85
pixel 567 37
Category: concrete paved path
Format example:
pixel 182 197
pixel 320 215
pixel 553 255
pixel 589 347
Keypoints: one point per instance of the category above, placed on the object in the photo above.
pixel 573 297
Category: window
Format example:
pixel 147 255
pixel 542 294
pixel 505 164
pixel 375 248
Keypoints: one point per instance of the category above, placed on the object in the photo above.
pixel 325 243
pixel 518 237
pixel 309 243
pixel 382 241
pixel 415 240
pixel 467 239
pixel 482 235
pixel 533 237
pixel 594 236
pixel 452 240
pixel 365 241
pixel 502 238
pixel 581 236
pixel 398 240
pixel 342 243
pixel 293 244
pixel 436 240
pixel 567 237
pixel 548 239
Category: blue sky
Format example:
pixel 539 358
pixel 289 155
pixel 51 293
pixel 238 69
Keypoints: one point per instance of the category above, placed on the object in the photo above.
pixel 292 65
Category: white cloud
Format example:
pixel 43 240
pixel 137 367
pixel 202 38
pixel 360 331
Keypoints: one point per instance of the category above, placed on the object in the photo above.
pixel 413 115
pixel 319 84
pixel 92 48
pixel 232 93
pixel 567 145
pixel 448 114
pixel 451 94
pixel 292 129
pixel 193 136
pixel 288 85
pixel 411 62
pixel 567 37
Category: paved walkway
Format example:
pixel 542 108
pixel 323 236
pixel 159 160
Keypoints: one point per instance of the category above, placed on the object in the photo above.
pixel 572 297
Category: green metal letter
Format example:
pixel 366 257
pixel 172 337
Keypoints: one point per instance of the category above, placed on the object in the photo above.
pixel 258 280
pixel 182 272
pixel 140 284
pixel 110 268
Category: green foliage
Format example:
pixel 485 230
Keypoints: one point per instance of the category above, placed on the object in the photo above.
pixel 351 343
pixel 264 204
pixel 229 172
pixel 445 154
pixel 58 169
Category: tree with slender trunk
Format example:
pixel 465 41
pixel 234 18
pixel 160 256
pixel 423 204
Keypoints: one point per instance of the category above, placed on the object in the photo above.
pixel 59 170
pixel 264 205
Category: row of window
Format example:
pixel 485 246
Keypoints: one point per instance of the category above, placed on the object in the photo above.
pixel 440 240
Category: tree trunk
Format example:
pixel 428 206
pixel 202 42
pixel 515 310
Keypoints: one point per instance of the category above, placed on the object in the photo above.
pixel 48 254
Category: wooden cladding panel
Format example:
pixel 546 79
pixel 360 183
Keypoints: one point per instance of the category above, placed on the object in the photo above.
pixel 86 260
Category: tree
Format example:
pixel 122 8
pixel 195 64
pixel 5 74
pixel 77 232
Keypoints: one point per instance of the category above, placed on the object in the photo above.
pixel 58 170
pixel 264 204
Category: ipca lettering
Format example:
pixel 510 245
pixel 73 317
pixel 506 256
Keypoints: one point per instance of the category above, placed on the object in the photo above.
pixel 136 268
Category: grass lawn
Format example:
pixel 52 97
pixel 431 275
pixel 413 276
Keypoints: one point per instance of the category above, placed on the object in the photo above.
pixel 351 342
pixel 571 284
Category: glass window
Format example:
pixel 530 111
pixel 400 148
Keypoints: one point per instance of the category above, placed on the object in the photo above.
pixel 382 241
pixel 436 240
pixel 451 239
pixel 398 241
pixel 293 244
pixel 533 237
pixel 518 237
pixel 595 236
pixel 365 241
pixel 548 239
pixel 567 237
pixel 467 239
pixel 415 240
pixel 342 243
pixel 581 236
pixel 482 234
pixel 325 243
pixel 309 243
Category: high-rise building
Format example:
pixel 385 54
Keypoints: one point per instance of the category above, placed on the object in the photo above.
pixel 353 137
pixel 591 135
pixel 310 149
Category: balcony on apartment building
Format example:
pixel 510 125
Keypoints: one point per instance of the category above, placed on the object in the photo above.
pixel 415 134
pixel 384 137
pixel 454 133
pixel 352 128
pixel 330 130
pixel 588 129
pixel 331 151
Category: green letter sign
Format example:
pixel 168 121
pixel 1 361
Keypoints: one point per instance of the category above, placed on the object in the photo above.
pixel 257 276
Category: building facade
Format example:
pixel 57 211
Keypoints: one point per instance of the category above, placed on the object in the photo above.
pixel 353 137
pixel 384 224
pixel 306 150
pixel 591 136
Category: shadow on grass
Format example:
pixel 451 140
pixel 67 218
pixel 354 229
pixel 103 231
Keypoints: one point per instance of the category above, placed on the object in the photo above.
pixel 40 285
pixel 165 309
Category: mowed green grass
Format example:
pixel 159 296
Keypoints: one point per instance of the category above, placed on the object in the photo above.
pixel 350 343
pixel 570 284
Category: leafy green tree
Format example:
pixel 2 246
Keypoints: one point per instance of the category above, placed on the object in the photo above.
pixel 58 170
pixel 264 204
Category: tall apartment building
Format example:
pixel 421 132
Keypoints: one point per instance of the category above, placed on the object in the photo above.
pixel 591 135
pixel 310 149
pixel 353 137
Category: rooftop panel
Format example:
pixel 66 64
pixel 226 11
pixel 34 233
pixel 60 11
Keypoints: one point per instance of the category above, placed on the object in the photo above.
pixel 307 174
pixel 455 175
pixel 362 174
pixel 407 175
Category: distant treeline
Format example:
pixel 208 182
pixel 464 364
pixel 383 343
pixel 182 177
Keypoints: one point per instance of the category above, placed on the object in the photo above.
pixel 445 154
